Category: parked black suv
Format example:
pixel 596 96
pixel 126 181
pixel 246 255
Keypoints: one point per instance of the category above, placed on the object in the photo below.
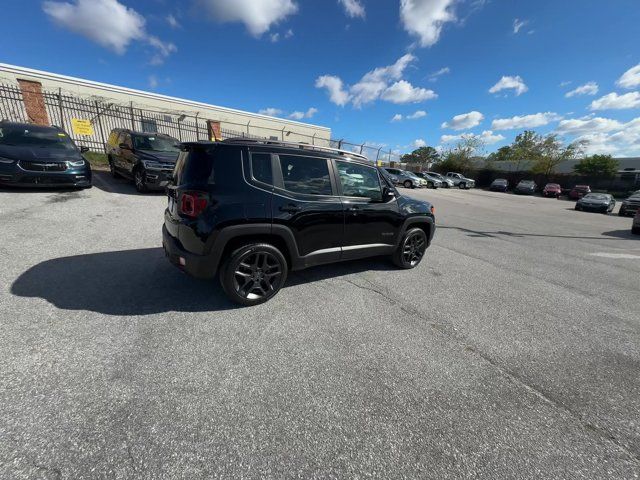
pixel 41 156
pixel 253 210
pixel 147 158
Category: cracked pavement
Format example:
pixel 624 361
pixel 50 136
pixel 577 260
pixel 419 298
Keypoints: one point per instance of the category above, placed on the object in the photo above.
pixel 512 351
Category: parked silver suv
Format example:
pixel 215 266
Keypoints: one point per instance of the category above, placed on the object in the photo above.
pixel 406 179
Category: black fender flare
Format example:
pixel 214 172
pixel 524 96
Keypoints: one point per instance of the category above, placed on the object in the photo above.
pixel 421 220
pixel 232 232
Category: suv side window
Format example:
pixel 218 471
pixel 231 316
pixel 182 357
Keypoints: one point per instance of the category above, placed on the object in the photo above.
pixel 261 168
pixel 306 175
pixel 359 181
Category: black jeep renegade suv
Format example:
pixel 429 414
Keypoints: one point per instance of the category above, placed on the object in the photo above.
pixel 253 210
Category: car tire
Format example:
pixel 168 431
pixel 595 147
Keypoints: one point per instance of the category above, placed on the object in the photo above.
pixel 112 168
pixel 408 184
pixel 411 249
pixel 430 185
pixel 462 186
pixel 635 230
pixel 578 208
pixel 253 274
pixel 139 180
pixel 622 212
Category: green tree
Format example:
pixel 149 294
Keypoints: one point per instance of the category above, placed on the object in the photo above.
pixel 597 166
pixel 421 156
pixel 551 152
pixel 503 154
pixel 525 150
pixel 459 158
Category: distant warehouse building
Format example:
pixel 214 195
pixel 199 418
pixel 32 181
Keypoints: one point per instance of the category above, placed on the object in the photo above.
pixel 88 110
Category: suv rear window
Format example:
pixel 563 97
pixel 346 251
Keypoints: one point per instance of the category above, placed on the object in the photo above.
pixel 307 175
pixel 261 167
pixel 195 166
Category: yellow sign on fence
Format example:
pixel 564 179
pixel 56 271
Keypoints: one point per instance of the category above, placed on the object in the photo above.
pixel 81 126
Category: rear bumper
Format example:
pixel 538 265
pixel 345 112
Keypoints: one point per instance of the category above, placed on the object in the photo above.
pixel 199 266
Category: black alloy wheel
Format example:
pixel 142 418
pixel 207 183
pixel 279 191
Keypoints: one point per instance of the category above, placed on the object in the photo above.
pixel 408 184
pixel 253 274
pixel 462 185
pixel 411 249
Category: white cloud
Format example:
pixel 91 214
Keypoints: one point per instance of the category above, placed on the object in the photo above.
pixel 576 126
pixel 258 16
pixel 288 34
pixel 414 116
pixel 274 37
pixel 377 84
pixel 510 83
pixel 425 18
pixel 300 115
pixel 435 75
pixel 163 50
pixel 173 21
pixel 353 8
pixel 613 101
pixel 464 121
pixel 108 23
pixel 403 92
pixel 418 114
pixel 525 121
pixel 335 87
pixel 487 137
pixel 566 83
pixel 153 82
pixel 418 142
pixel 604 135
pixel 518 24
pixel 590 88
pixel 630 78
pixel 271 112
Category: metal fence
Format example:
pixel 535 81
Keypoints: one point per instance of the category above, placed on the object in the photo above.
pixel 63 109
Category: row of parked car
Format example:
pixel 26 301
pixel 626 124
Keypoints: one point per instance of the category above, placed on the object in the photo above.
pixel 35 155
pixel 409 179
pixel 585 198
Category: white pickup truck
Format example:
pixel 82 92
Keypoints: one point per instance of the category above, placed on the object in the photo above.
pixel 460 180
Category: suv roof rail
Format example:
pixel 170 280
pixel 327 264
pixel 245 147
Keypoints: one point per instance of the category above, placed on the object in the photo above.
pixel 300 145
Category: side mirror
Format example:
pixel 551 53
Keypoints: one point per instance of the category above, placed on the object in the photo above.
pixel 388 193
pixel 124 146
pixel 84 149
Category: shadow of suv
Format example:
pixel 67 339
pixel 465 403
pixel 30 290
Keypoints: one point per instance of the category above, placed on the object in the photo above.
pixel 253 210
pixel 147 158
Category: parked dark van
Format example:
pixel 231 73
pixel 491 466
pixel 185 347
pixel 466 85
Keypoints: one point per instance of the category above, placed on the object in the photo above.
pixel 254 210
pixel 41 156
pixel 146 158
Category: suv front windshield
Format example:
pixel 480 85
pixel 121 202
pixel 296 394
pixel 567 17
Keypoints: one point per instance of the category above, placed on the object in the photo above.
pixel 35 136
pixel 155 143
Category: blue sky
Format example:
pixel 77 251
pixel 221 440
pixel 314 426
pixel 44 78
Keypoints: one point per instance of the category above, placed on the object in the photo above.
pixel 399 73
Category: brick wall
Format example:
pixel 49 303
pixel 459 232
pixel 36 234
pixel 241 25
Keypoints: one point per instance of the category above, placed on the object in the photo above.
pixel 34 101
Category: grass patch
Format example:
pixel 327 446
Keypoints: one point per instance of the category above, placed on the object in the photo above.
pixel 97 160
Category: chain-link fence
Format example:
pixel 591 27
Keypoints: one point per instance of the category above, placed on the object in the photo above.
pixel 89 121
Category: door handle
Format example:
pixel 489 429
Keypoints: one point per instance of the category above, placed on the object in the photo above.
pixel 291 208
pixel 353 209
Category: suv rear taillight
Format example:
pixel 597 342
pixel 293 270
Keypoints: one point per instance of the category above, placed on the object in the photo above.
pixel 193 203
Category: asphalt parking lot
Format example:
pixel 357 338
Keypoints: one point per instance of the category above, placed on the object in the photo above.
pixel 512 351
